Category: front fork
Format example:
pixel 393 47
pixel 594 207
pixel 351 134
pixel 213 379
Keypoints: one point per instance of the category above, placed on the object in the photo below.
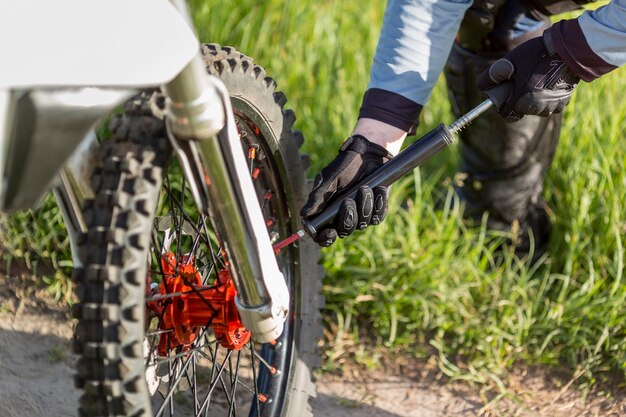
pixel 203 133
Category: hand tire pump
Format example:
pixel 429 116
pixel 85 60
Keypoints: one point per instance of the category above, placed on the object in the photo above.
pixel 401 164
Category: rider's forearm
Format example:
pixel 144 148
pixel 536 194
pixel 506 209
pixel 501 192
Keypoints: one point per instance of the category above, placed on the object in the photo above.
pixel 605 31
pixel 595 43
pixel 412 49
pixel 383 134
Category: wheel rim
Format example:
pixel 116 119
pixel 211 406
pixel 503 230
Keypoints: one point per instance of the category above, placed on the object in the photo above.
pixel 200 376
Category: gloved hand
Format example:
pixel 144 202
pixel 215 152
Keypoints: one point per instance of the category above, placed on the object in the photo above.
pixel 541 83
pixel 357 158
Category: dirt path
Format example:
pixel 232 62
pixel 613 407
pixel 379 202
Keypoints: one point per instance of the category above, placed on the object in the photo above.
pixel 35 367
pixel 391 396
pixel 386 395
pixel 36 379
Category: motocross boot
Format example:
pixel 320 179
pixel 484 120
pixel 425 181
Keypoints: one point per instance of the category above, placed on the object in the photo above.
pixel 502 164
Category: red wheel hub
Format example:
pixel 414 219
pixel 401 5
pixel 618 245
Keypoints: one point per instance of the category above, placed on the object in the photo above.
pixel 188 306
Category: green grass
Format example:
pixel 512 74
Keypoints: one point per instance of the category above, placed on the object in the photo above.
pixel 422 282
pixel 37 240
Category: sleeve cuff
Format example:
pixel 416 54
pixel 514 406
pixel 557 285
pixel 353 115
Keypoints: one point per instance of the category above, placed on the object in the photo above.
pixel 571 45
pixel 391 108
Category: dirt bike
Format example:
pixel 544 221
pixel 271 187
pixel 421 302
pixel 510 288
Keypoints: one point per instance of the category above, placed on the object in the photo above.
pixel 184 307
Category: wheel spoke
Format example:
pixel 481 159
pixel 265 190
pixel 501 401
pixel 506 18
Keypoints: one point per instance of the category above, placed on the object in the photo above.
pixel 181 218
pixel 221 367
pixel 233 384
pixel 241 384
pixel 264 362
pixel 194 248
pixel 178 294
pixel 194 386
pixel 189 352
pixel 181 210
pixel 254 379
pixel 214 257
pixel 158 332
pixel 171 390
pixel 170 375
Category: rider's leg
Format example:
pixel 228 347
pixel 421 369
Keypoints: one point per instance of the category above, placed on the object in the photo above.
pixel 502 164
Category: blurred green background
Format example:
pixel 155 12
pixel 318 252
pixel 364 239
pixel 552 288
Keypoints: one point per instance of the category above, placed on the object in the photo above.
pixel 422 283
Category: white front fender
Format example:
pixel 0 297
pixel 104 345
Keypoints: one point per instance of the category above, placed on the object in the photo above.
pixel 117 43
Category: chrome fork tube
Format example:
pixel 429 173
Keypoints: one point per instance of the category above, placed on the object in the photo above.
pixel 203 132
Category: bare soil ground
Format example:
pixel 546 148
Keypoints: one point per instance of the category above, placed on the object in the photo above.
pixel 36 364
pixel 423 392
pixel 36 377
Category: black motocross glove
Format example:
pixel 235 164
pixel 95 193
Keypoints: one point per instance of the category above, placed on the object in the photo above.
pixel 357 158
pixel 541 83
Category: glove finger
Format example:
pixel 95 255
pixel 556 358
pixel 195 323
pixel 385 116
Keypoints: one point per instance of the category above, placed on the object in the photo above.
pixel 326 237
pixel 365 206
pixel 322 192
pixel 380 205
pixel 541 103
pixel 500 71
pixel 347 218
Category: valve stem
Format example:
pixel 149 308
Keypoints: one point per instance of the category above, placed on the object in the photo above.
pixel 291 239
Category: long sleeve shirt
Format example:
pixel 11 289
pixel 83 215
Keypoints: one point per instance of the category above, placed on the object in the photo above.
pixel 417 36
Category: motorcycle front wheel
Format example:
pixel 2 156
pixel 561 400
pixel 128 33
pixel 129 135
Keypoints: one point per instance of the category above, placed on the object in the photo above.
pixel 157 332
